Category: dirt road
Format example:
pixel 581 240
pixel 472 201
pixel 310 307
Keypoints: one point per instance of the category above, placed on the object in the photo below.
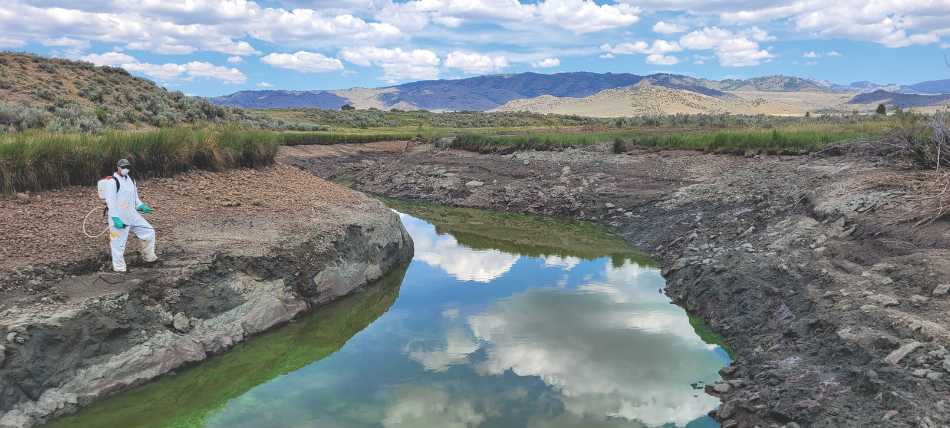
pixel 811 268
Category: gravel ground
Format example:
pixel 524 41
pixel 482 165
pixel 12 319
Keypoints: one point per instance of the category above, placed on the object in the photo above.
pixel 192 209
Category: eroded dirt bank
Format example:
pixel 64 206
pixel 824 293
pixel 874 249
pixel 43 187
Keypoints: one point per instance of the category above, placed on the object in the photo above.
pixel 836 307
pixel 241 252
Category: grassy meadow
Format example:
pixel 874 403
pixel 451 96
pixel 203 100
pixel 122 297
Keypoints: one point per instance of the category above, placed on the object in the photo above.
pixel 41 160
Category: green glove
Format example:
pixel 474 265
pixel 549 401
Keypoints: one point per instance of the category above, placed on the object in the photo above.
pixel 117 222
pixel 144 208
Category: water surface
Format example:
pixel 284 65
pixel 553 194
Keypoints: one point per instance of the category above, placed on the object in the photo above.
pixel 500 321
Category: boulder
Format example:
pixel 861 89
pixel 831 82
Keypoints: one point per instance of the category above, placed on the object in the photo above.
pixel 181 322
pixel 474 183
pixel 895 357
pixel 941 290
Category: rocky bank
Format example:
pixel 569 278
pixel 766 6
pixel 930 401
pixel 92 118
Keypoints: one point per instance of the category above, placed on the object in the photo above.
pixel 268 245
pixel 814 269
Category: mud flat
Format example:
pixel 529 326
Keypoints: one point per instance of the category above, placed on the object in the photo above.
pixel 834 303
pixel 242 252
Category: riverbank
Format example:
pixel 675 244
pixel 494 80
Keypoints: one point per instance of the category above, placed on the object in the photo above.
pixel 810 267
pixel 241 252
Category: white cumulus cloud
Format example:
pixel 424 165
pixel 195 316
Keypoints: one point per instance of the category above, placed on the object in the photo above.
pixel 663 27
pixel 169 71
pixel 660 59
pixel 655 53
pixel 475 63
pixel 546 63
pixel 733 49
pixel 303 61
pixel 397 64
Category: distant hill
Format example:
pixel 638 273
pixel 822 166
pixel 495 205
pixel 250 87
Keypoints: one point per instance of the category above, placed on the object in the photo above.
pixel 776 94
pixel 487 92
pixel 282 99
pixel 900 100
pixel 777 83
pixel 930 87
pixel 648 99
pixel 63 95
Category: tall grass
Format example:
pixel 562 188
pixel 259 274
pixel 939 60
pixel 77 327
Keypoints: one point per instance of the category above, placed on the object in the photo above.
pixel 41 161
pixel 772 141
pixel 748 142
pixel 327 138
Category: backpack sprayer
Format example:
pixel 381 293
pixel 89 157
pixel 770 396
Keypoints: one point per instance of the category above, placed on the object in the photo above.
pixel 102 189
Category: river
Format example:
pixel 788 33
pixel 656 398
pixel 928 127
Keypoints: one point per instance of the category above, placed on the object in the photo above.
pixel 500 320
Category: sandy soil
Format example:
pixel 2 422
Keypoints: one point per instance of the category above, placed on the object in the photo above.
pixel 810 267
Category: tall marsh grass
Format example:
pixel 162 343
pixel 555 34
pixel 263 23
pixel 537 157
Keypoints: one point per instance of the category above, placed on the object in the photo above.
pixel 41 161
pixel 328 138
pixel 792 140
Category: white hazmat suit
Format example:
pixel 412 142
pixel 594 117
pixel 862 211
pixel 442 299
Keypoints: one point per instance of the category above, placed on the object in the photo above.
pixel 122 198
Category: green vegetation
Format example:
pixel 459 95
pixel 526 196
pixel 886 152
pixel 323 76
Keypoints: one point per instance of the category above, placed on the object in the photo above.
pixel 708 335
pixel 749 142
pixel 524 234
pixel 327 138
pixel 41 161
pixel 377 120
pixel 785 140
pixel 190 397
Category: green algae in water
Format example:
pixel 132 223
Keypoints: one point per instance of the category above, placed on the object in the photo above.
pixel 524 234
pixel 186 399
pixel 502 320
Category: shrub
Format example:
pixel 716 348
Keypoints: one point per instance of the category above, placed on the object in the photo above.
pixel 881 109
pixel 41 161
pixel 619 146
pixel 73 118
pixel 926 142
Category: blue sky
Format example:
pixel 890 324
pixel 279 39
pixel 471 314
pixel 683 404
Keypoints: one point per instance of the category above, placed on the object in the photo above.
pixel 213 47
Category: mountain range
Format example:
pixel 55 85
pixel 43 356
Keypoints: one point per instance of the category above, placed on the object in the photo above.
pixel 530 91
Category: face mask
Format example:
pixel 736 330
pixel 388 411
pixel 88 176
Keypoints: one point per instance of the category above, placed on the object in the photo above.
pixel 124 171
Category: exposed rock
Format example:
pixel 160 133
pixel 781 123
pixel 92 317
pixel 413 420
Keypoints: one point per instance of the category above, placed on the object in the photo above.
pixel 877 278
pixel 730 423
pixel 946 364
pixel 885 300
pixel 941 290
pixel 3 355
pixel 918 299
pixel 895 357
pixel 720 387
pixel 728 410
pixel 181 322
pixel 474 183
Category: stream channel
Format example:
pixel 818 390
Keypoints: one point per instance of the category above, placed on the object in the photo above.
pixel 500 320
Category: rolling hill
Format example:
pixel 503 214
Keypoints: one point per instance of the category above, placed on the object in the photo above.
pixel 63 95
pixel 901 100
pixel 490 92
pixel 929 87
pixel 646 98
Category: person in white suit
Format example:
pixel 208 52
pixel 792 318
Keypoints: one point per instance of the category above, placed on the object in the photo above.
pixel 125 215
